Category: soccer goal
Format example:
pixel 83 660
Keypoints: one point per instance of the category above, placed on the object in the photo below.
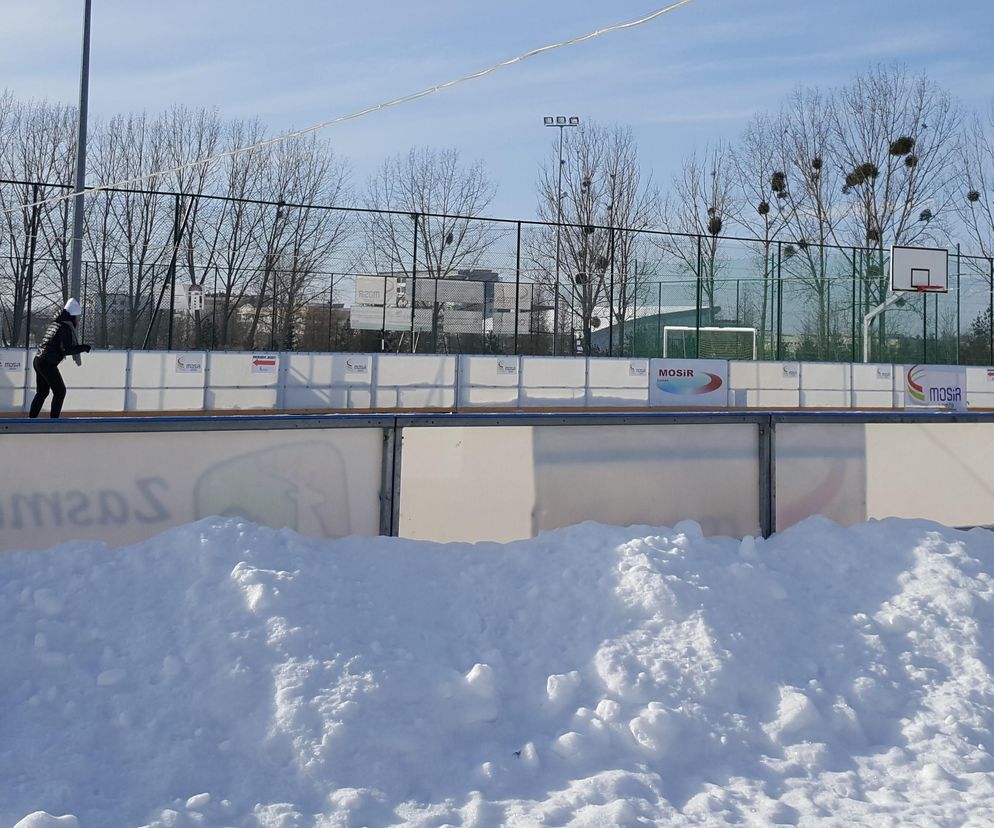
pixel 716 343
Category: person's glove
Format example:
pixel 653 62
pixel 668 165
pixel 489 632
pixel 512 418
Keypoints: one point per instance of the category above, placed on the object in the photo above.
pixel 86 348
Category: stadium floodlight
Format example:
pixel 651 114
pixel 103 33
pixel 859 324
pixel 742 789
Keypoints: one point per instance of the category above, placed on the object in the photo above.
pixel 560 121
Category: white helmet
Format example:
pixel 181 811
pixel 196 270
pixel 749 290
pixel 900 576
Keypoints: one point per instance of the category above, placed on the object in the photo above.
pixel 73 308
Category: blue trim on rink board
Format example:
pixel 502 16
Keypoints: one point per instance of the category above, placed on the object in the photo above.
pixel 524 418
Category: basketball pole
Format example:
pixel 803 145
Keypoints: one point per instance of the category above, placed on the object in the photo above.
pixel 894 298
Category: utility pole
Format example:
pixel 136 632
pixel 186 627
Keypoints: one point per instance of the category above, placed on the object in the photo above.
pixel 562 122
pixel 76 262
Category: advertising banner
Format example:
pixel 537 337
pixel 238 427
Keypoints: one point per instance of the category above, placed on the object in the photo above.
pixel 387 319
pixel 452 291
pixel 12 360
pixel 189 364
pixel 265 363
pixel 376 290
pixel 935 386
pixel 507 297
pixel 688 383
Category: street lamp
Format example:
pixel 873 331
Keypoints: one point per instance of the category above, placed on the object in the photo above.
pixel 76 260
pixel 560 121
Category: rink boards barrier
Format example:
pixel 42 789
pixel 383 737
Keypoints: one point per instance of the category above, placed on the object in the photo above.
pixel 489 477
pixel 191 381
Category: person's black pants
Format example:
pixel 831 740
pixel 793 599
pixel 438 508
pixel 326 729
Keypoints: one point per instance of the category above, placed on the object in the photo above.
pixel 47 378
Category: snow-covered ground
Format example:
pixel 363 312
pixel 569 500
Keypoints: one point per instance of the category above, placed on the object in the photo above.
pixel 223 674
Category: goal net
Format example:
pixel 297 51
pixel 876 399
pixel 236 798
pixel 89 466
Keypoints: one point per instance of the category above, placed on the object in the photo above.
pixel 680 341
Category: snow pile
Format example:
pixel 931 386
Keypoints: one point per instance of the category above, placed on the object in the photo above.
pixel 224 674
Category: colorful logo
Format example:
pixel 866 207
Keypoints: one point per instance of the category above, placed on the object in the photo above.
pixel 915 388
pixel 687 381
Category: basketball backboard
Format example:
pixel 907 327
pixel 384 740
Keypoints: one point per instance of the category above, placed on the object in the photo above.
pixel 921 269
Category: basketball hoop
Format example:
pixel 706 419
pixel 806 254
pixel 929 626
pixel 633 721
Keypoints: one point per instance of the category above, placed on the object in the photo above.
pixel 928 289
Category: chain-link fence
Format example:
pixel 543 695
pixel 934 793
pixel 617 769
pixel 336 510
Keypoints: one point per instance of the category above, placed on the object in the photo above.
pixel 173 270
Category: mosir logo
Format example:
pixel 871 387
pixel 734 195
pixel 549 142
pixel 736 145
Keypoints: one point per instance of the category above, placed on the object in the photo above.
pixel 925 393
pixel 686 381
pixel 189 365
pixel 506 366
pixel 356 366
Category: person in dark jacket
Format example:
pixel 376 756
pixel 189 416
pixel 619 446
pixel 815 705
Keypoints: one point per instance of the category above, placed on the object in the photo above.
pixel 59 341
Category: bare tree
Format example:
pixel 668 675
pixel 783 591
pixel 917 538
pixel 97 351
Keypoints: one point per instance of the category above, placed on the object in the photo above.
pixel 764 203
pixel 230 238
pixel 38 151
pixel 975 181
pixel 895 138
pixel 425 221
pixel 304 177
pixel 589 263
pixel 435 189
pixel 817 206
pixel 142 222
pixel 701 202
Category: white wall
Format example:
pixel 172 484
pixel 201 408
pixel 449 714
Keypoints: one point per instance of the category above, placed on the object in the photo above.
pixel 117 381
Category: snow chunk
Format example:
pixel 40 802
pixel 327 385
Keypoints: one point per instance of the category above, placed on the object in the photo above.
pixel 47 601
pixel 655 728
pixel 108 678
pixel 198 802
pixel 40 819
pixel 559 688
pixel 797 718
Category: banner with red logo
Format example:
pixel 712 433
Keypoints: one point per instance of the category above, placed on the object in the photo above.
pixel 935 386
pixel 688 383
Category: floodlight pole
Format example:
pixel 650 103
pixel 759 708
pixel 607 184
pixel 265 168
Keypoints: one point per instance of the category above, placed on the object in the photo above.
pixel 873 314
pixel 76 261
pixel 562 122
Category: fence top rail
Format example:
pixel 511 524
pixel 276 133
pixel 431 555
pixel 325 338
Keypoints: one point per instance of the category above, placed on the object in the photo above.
pixel 259 422
pixel 653 231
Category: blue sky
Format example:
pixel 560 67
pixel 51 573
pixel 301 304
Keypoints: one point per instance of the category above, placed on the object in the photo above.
pixel 694 75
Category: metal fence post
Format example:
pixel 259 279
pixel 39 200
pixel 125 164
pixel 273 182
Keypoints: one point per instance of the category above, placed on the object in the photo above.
pixel 177 207
pixel 659 318
pixel 779 300
pixel 214 313
pixel 517 287
pixel 610 302
pixel 855 303
pixel 959 271
pixel 32 247
pixel 390 481
pixel 767 477
pixel 697 333
pixel 414 278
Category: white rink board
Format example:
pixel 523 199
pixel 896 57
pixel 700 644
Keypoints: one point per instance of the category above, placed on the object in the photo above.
pixel 235 370
pixel 148 381
pixel 165 369
pixel 489 371
pixel 396 370
pixel 825 384
pixel 873 385
pixel 553 372
pixel 15 374
pixel 321 483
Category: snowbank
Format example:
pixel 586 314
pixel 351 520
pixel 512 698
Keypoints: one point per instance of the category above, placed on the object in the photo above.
pixel 224 674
